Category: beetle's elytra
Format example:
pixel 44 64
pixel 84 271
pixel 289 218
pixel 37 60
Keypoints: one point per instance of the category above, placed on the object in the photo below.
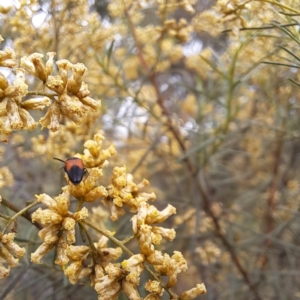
pixel 74 168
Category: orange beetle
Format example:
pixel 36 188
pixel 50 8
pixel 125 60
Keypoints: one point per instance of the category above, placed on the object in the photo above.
pixel 74 168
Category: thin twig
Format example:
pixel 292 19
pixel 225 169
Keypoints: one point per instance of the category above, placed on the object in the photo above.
pixel 24 213
pixel 21 212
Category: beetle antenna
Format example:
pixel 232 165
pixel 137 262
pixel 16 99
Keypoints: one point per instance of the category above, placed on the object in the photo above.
pixel 59 159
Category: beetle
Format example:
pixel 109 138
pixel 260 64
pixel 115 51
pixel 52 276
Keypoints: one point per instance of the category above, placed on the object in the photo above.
pixel 74 168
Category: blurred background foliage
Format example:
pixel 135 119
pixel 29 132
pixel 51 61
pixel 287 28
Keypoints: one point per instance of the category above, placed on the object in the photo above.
pixel 201 98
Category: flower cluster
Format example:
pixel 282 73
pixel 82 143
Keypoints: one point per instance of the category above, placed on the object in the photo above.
pixel 59 225
pixel 71 97
pixel 179 30
pixel 98 261
pixel 10 252
pixel 123 191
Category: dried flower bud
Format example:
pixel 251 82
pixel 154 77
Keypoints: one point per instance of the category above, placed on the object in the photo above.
pixel 154 216
pixel 85 272
pixel 46 217
pixel 132 262
pixel 166 233
pixel 194 292
pixel 179 261
pixel 73 271
pixel 88 101
pixel 135 274
pixel 27 64
pixel 154 286
pixel 48 201
pixel 130 290
pixel 113 271
pixel 96 193
pixel 155 258
pixel 36 103
pixel 28 121
pixel 62 258
pixel 49 63
pixel 84 91
pixel 63 67
pixel 68 223
pixel 93 155
pixel 13 114
pixel 63 203
pixel 108 289
pixel 81 215
pixel 6 255
pixel 172 266
pixel 71 236
pixel 93 147
pixel 74 83
pixel 77 252
pixel 156 238
pixel 145 240
pixel 8 242
pixel 40 70
pixel 51 118
pixel 56 84
pixel 72 108
pixel 109 254
pixel 40 252
pixel 49 233
pixel 85 186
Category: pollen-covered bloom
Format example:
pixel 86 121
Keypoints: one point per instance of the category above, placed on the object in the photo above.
pixel 108 287
pixel 51 118
pixel 151 235
pixel 7 57
pixel 124 191
pixel 130 290
pixel 16 112
pixel 72 108
pixel 134 266
pixel 76 254
pixel 75 81
pixel 171 267
pixel 194 292
pixel 10 252
pixel 56 219
pixel 34 65
pixel 155 290
pixel 94 154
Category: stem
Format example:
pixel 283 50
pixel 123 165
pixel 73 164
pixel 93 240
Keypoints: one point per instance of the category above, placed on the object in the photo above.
pixel 4 217
pixel 94 251
pixel 21 212
pixel 280 5
pixel 109 236
pixel 130 238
